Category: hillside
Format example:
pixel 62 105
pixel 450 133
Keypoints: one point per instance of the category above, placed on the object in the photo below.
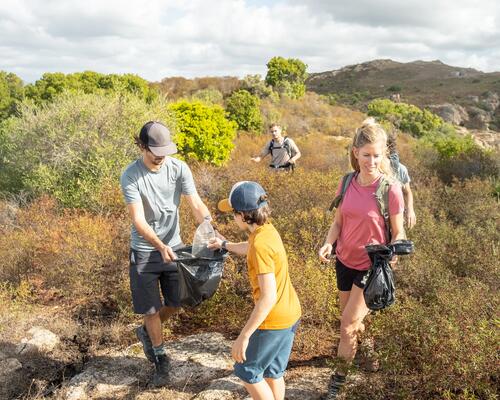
pixel 423 83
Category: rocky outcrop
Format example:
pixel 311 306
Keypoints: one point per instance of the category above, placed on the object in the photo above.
pixel 451 113
pixel 39 339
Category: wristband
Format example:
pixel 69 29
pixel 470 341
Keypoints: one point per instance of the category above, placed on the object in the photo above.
pixel 223 245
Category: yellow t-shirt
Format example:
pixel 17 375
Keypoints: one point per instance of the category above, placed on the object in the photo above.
pixel 266 254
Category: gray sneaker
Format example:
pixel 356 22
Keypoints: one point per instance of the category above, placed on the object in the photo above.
pixel 147 346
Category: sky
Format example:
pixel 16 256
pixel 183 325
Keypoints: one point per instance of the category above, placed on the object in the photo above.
pixel 194 38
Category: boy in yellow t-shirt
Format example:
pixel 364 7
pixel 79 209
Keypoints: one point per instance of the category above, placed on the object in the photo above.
pixel 263 347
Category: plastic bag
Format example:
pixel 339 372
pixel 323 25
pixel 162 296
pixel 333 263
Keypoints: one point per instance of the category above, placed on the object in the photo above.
pixel 202 236
pixel 199 277
pixel 379 290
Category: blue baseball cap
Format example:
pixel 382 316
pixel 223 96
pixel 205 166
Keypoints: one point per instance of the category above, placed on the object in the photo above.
pixel 244 196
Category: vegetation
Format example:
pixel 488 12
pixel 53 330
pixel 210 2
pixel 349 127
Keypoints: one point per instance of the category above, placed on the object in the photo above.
pixel 202 131
pixel 243 108
pixel 54 83
pixel 287 76
pixel 11 93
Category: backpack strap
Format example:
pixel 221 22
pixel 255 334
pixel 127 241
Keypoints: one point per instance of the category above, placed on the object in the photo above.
pixel 285 145
pixel 382 198
pixel 346 180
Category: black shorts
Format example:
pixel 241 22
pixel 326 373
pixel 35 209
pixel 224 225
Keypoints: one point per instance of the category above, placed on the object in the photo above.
pixel 148 274
pixel 346 277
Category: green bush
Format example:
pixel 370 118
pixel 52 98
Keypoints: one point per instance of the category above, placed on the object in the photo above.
pixel 405 117
pixel 75 147
pixel 53 84
pixel 202 131
pixel 243 108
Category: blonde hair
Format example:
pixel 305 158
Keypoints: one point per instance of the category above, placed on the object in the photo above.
pixel 371 132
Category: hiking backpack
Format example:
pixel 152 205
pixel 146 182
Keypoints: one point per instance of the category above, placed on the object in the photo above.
pixel 381 196
pixel 286 145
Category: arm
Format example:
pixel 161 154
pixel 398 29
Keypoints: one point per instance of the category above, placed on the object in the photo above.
pixel 198 208
pixel 411 218
pixel 136 212
pixel 237 248
pixel 262 308
pixel 331 237
pixel 297 154
pixel 264 152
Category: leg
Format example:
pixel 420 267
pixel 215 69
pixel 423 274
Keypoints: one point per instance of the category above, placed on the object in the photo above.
pixel 153 327
pixel 343 299
pixel 277 387
pixel 351 322
pixel 259 391
pixel 166 312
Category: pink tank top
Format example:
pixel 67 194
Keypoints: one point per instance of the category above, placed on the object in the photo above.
pixel 362 222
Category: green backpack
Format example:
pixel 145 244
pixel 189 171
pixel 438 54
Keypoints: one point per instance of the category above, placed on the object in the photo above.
pixel 381 195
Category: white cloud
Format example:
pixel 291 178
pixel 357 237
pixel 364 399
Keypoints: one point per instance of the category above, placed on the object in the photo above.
pixel 159 38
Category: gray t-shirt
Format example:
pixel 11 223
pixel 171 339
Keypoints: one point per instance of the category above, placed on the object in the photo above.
pixel 279 155
pixel 160 192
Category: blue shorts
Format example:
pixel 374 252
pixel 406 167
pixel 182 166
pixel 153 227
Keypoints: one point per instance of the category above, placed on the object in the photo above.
pixel 267 354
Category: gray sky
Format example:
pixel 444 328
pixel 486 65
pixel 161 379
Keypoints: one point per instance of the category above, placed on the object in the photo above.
pixel 161 38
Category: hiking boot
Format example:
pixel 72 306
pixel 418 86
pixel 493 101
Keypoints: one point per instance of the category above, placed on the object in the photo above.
pixel 162 368
pixel 336 383
pixel 147 346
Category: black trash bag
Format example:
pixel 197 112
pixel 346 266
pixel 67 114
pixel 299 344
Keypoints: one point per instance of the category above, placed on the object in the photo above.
pixel 199 277
pixel 379 290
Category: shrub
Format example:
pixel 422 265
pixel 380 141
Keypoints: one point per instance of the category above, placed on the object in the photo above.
pixel 202 131
pixel 53 84
pixel 405 117
pixel 243 108
pixel 73 147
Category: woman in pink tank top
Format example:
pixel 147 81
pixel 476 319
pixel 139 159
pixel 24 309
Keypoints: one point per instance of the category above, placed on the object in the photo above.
pixel 358 222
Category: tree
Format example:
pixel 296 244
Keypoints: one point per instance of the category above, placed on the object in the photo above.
pixel 53 84
pixel 243 108
pixel 202 131
pixel 11 92
pixel 287 76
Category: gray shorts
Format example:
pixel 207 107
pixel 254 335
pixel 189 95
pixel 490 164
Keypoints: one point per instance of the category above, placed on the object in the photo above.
pixel 148 274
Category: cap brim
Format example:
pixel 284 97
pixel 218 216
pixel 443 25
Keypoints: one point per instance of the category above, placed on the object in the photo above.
pixel 224 206
pixel 162 151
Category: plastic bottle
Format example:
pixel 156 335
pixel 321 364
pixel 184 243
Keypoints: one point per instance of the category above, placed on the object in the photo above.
pixel 202 236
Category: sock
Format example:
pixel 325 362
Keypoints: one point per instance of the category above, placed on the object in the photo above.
pixel 160 350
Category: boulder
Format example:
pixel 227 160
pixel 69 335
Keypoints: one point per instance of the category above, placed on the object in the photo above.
pixel 452 113
pixel 478 119
pixel 39 339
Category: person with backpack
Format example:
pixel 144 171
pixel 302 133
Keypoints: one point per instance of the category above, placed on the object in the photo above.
pixel 401 173
pixel 369 209
pixel 283 150
pixel 263 346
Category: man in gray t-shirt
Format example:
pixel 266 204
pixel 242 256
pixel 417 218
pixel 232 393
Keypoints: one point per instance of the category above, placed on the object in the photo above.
pixel 284 152
pixel 152 187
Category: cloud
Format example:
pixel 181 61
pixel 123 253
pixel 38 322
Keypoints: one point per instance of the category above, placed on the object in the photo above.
pixel 160 38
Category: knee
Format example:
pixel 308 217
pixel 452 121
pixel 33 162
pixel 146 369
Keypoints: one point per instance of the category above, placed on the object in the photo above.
pixel 151 317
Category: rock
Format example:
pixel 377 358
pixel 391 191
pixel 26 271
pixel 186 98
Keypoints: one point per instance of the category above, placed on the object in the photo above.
pixel 490 102
pixel 199 359
pixel 227 388
pixel 107 377
pixel 307 383
pixel 41 340
pixel 478 119
pixel 9 365
pixel 452 113
pixel 3 356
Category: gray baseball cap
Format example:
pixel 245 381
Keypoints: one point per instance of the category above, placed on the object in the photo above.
pixel 157 137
